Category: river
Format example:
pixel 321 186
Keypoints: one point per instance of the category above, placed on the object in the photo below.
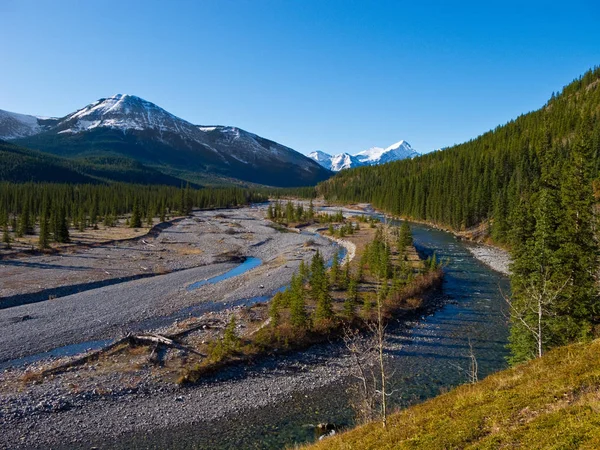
pixel 428 355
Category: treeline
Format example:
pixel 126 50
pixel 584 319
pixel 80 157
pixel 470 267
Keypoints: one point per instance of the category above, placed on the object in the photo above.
pixel 308 192
pixel 533 183
pixel 85 205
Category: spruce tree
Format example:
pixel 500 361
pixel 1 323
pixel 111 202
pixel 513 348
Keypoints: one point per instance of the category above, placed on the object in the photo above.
pixel 298 315
pixel 44 238
pixel 136 218
pixel 6 238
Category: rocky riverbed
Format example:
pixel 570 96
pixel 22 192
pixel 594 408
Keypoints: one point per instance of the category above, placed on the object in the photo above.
pixel 211 242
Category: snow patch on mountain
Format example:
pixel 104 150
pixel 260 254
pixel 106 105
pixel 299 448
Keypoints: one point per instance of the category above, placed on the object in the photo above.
pixel 373 156
pixel 14 125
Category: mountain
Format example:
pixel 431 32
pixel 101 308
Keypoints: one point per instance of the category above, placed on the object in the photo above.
pixel 126 126
pixel 371 157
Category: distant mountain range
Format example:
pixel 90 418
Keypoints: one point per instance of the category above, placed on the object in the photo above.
pixel 370 157
pixel 127 129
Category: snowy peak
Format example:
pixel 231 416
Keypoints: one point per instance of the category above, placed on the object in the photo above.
pixel 372 156
pixel 395 152
pixel 124 112
pixel 343 161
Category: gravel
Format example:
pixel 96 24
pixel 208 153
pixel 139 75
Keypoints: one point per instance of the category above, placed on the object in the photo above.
pixel 52 417
pixel 75 410
pixel 111 311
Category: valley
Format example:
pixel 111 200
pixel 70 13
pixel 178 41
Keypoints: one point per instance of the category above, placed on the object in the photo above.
pixel 123 401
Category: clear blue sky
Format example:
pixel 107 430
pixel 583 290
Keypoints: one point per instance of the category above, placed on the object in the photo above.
pixel 331 75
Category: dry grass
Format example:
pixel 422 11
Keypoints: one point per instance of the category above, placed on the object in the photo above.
pixel 187 251
pixel 550 403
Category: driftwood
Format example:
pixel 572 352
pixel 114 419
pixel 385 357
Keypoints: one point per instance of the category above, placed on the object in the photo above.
pixel 130 339
pixel 158 339
pixel 205 324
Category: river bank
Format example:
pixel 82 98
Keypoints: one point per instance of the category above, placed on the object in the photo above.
pixel 496 258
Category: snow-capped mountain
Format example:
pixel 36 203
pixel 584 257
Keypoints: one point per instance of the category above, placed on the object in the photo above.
pixel 343 161
pixel 370 157
pixel 126 125
pixel 320 157
pixel 127 113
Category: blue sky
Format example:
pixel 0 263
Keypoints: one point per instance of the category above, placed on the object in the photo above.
pixel 329 75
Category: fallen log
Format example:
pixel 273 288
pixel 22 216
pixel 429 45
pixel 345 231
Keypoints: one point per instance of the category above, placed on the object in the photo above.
pixel 130 339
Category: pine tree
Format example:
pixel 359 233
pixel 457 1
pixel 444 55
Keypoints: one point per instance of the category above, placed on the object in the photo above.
pixel 59 224
pixel 324 308
pixel 231 341
pixel 298 315
pixel 149 217
pixel 162 211
pixel 25 226
pixel 405 237
pixel 351 299
pixel 311 210
pixel 6 238
pixel 44 238
pixel 275 310
pixel 136 218
pixel 334 271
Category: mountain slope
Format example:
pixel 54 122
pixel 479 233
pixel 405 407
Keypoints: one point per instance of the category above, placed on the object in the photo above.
pixel 19 165
pixel 550 402
pixel 126 125
pixel 373 156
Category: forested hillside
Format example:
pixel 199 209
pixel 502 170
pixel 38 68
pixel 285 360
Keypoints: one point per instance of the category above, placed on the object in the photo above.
pixel 531 183
pixel 485 178
pixel 21 165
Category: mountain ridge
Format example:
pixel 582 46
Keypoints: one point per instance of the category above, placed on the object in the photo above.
pixel 128 126
pixel 370 157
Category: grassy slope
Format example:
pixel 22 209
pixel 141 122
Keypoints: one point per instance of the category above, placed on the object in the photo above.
pixel 551 403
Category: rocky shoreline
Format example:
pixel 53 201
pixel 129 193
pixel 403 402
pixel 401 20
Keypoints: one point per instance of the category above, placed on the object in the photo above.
pixel 495 258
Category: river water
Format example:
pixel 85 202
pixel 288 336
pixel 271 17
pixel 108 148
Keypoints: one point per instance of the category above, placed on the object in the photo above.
pixel 428 355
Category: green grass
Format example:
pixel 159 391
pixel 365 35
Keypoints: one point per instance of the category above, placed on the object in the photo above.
pixel 549 403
